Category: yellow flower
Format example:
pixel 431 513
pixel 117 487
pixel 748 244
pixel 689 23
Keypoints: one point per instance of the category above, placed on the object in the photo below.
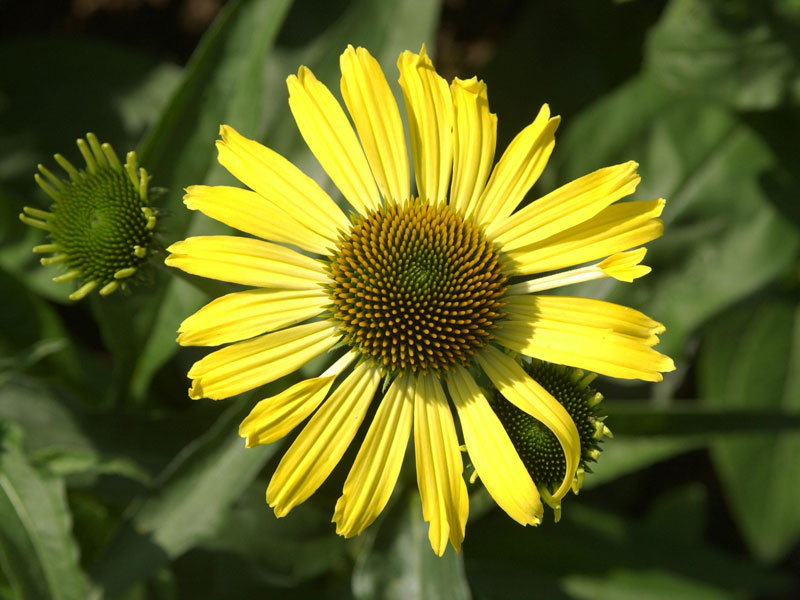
pixel 417 289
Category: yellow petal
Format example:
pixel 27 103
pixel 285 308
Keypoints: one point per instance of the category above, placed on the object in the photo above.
pixel 590 312
pixel 242 315
pixel 280 182
pixel 374 473
pixel 374 112
pixel 474 141
pixel 252 213
pixel 493 455
pixel 246 261
pixel 585 333
pixel 569 205
pixel 430 124
pixel 274 417
pixel 518 169
pixel 526 394
pixel 331 138
pixel 323 441
pixel 625 266
pixel 445 504
pixel 246 365
pixel 618 227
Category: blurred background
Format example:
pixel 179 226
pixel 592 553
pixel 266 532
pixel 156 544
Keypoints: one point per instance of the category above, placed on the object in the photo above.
pixel 114 483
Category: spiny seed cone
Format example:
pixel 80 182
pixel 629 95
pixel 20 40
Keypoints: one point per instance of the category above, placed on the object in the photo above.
pixel 416 287
pixel 100 223
pixel 536 445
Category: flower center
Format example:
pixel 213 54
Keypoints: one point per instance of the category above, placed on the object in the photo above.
pixel 415 286
pixel 99 223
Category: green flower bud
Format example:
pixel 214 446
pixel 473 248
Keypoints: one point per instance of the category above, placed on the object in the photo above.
pixel 101 225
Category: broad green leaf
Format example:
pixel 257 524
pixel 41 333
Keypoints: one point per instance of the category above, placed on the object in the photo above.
pixel 37 551
pixel 751 360
pixel 59 429
pixel 285 551
pixel 628 584
pixel 622 552
pixel 722 236
pixel 625 455
pixel 684 418
pixel 398 562
pixel 739 52
pixel 185 507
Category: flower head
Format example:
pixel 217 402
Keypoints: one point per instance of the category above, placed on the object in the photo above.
pixel 100 223
pixel 423 291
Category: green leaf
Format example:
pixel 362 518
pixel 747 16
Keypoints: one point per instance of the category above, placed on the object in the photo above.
pixel 61 431
pixel 751 360
pixel 399 563
pixel 37 552
pixel 625 455
pixel 614 552
pixel 185 507
pixel 286 552
pixel 628 584
pixel 722 235
pixel 738 52
pixel 681 419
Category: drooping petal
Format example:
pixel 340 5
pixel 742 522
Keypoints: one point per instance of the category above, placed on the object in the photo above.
pixel 374 473
pixel 251 213
pixel 280 182
pixel 246 261
pixel 445 504
pixel 518 169
pixel 242 315
pixel 569 205
pixel 274 417
pixel 323 441
pixel 496 461
pixel 474 141
pixel 331 138
pixel 623 266
pixel 520 389
pixel 430 124
pixel 618 227
pixel 246 365
pixel 374 112
pixel 585 333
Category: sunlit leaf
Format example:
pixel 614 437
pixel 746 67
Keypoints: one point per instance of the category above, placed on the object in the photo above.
pixel 751 359
pixel 186 505
pixel 37 551
pixel 739 52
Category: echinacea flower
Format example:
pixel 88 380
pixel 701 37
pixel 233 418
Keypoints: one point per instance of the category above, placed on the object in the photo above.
pixel 101 224
pixel 423 291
